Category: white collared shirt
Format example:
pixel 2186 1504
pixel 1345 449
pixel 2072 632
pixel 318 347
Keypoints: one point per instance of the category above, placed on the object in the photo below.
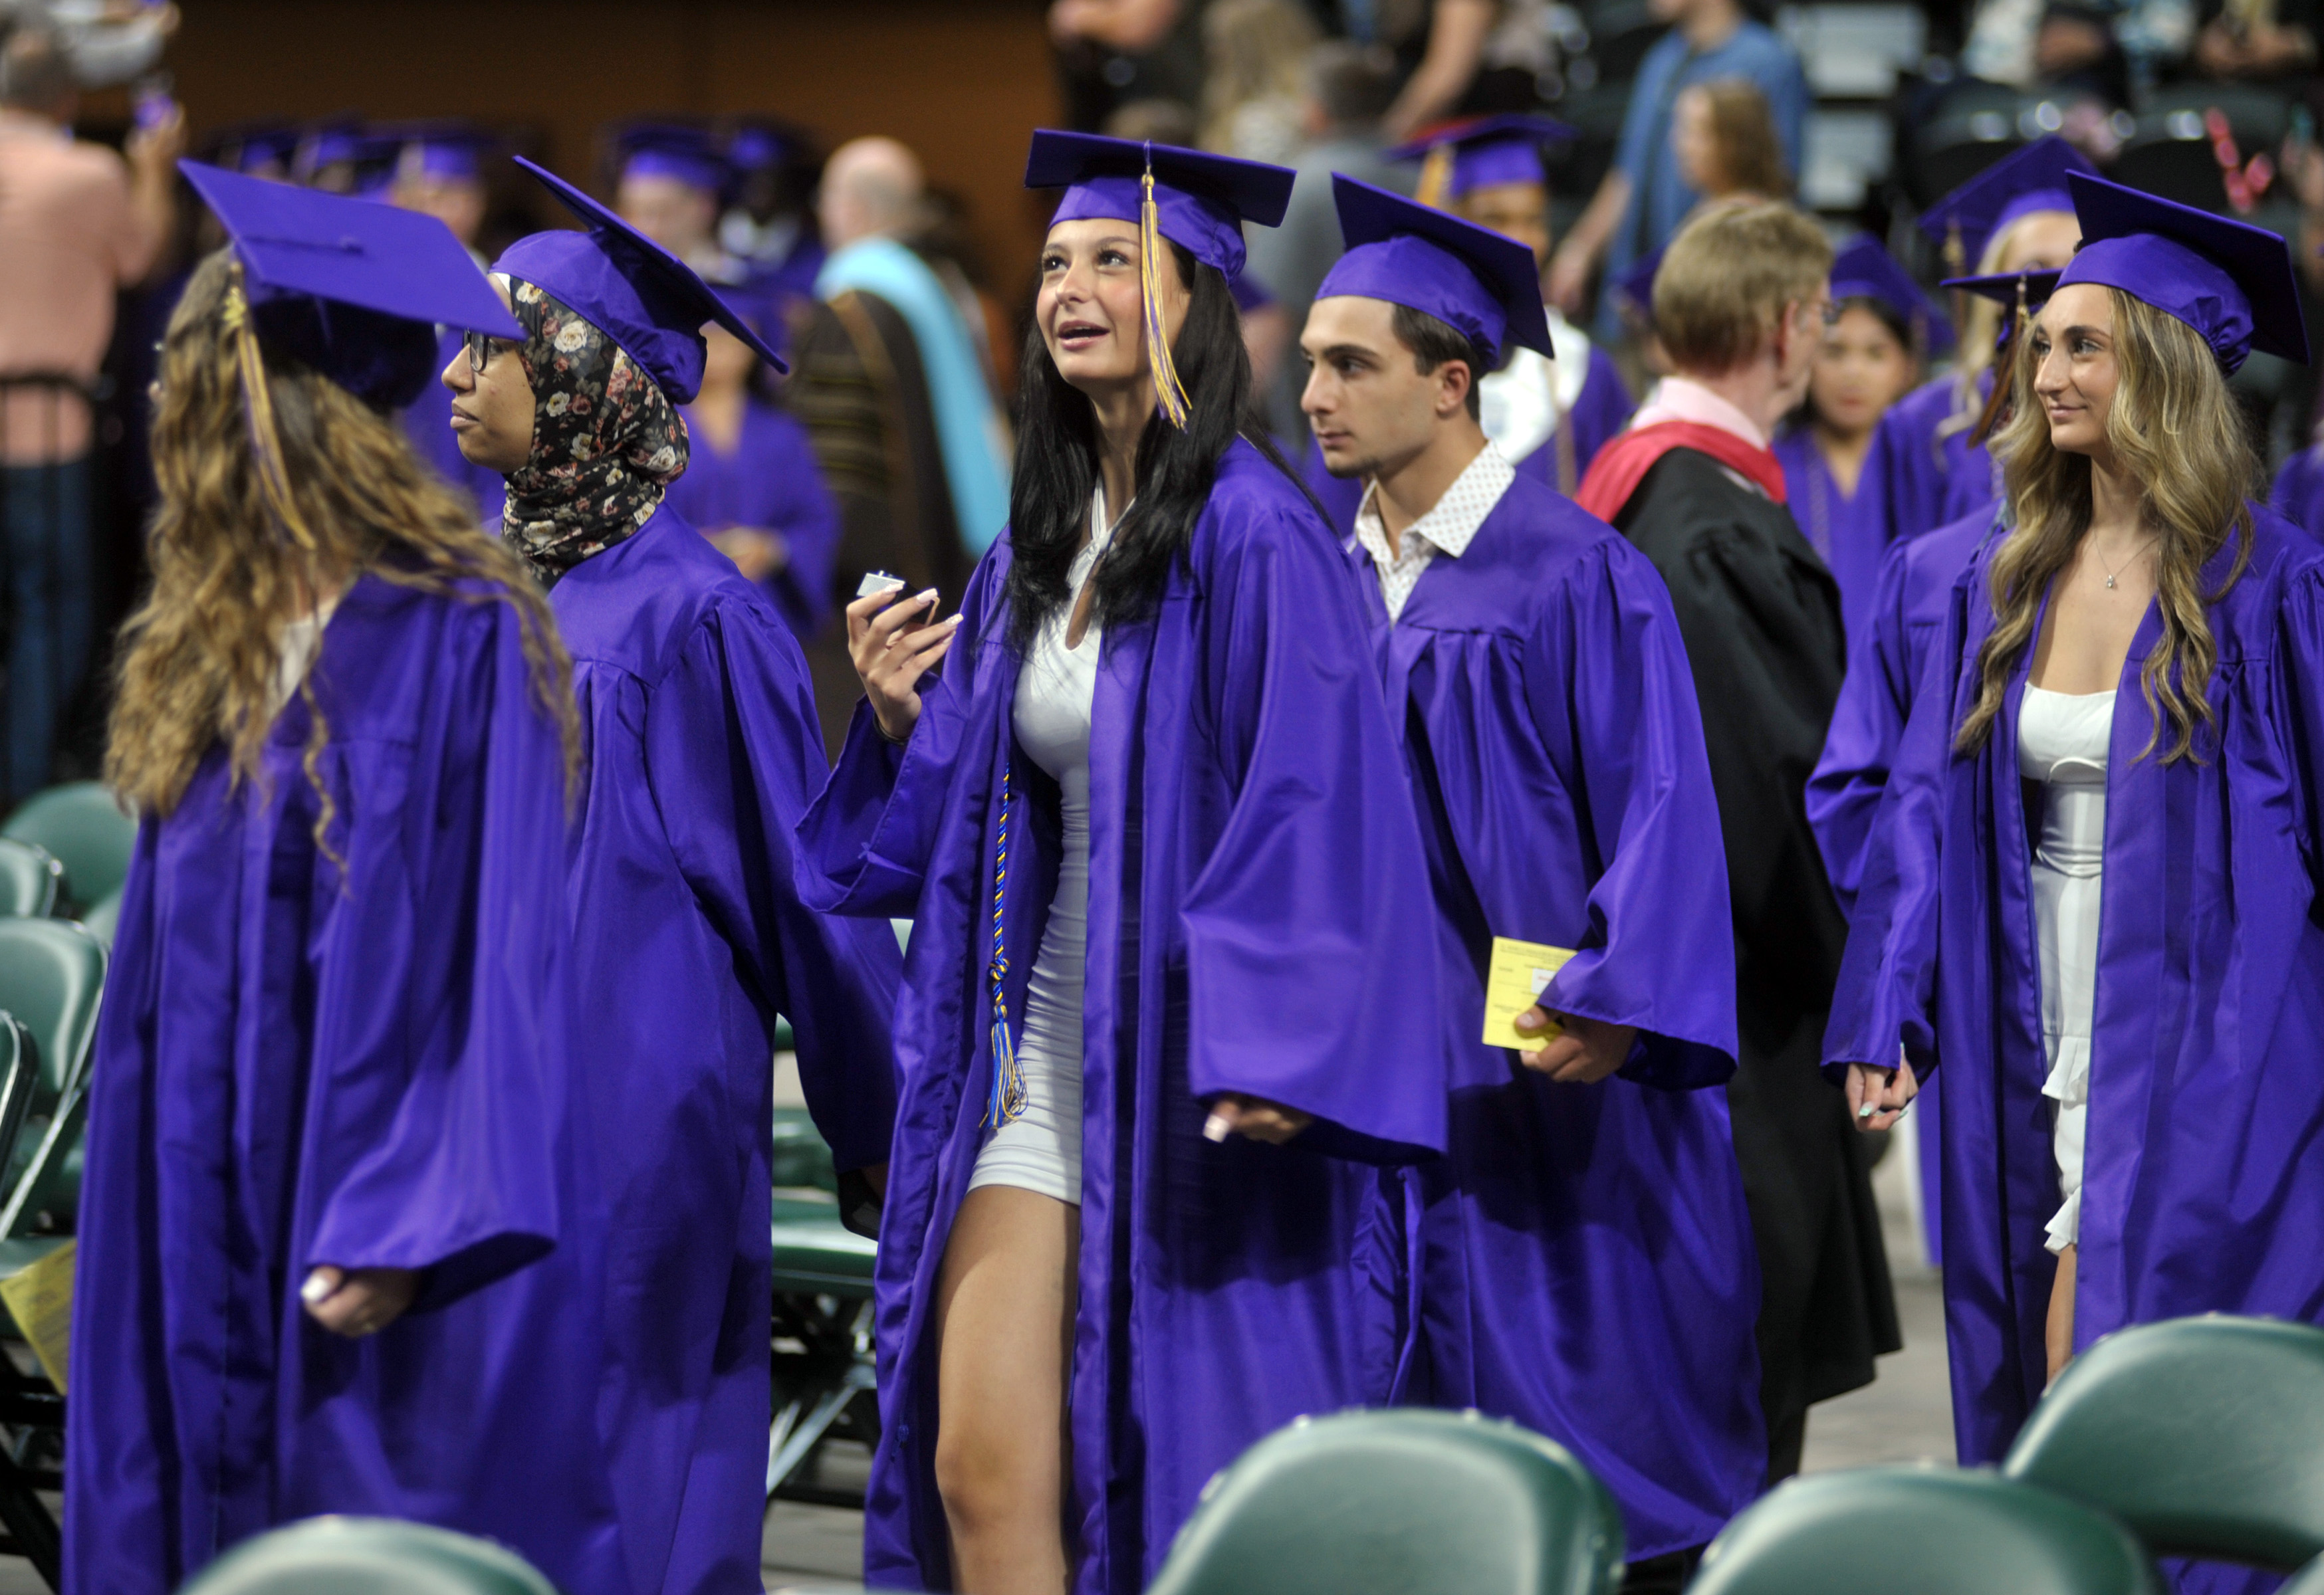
pixel 1448 528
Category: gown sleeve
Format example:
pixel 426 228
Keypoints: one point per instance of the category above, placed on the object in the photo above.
pixel 1310 968
pixel 734 753
pixel 866 842
pixel 1866 724
pixel 464 1112
pixel 1607 680
pixel 2300 716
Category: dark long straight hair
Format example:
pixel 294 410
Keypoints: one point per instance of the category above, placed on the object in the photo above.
pixel 1056 467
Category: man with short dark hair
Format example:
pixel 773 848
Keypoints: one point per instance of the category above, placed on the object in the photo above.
pixel 1739 304
pixel 1582 1252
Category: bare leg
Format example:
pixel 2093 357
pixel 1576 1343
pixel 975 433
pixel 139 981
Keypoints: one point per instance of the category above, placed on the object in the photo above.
pixel 1005 1305
pixel 2059 1336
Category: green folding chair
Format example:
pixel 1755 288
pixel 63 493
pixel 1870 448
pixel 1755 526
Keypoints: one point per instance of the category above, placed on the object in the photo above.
pixel 368 1556
pixel 30 879
pixel 1407 1502
pixel 81 823
pixel 823 1357
pixel 2205 1435
pixel 103 918
pixel 30 1406
pixel 1923 1531
pixel 52 978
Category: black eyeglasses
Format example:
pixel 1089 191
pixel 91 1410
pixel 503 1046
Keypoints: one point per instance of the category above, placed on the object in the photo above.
pixel 482 347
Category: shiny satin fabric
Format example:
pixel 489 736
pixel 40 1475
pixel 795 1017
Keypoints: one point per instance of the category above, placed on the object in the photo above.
pixel 1927 480
pixel 2203 1192
pixel 1586 1260
pixel 771 482
pixel 690 938
pixel 1258 921
pixel 299 1065
pixel 1850 531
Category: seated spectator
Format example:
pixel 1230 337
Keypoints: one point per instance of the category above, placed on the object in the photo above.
pixel 75 226
pixel 2097 48
pixel 2260 41
pixel 1725 138
pixel 1254 53
pixel 1644 197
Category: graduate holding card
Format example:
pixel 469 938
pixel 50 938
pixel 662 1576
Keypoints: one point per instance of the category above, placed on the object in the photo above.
pixel 1584 1255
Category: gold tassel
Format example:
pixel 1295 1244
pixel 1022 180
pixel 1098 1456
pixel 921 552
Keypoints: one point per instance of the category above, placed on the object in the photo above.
pixel 258 403
pixel 1434 188
pixel 1168 390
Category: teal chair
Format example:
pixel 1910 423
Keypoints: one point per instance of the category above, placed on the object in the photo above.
pixel 1407 1502
pixel 2308 1580
pixel 83 826
pixel 2205 1435
pixel 823 1361
pixel 30 879
pixel 103 919
pixel 51 977
pixel 28 1402
pixel 1923 1531
pixel 367 1556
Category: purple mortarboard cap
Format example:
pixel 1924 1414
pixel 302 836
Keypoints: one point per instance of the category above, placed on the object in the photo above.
pixel 452 152
pixel 1863 269
pixel 1481 284
pixel 2017 185
pixel 342 142
pixel 749 303
pixel 1490 151
pixel 630 288
pixel 1200 201
pixel 254 148
pixel 2002 287
pixel 2229 281
pixel 758 146
pixel 1249 293
pixel 673 150
pixel 1634 288
pixel 353 289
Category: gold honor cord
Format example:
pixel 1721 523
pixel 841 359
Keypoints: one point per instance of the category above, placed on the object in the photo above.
pixel 1167 391
pixel 1434 188
pixel 258 403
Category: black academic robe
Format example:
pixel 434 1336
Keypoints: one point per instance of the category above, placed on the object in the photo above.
pixel 1760 616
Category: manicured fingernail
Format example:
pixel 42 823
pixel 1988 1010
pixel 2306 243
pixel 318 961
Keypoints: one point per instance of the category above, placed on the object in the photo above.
pixel 1215 1128
pixel 927 597
pixel 315 1289
pixel 1868 1109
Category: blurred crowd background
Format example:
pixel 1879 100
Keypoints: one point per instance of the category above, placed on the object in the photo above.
pixel 852 173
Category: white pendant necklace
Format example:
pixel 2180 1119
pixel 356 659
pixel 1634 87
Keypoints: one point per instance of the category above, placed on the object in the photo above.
pixel 2110 572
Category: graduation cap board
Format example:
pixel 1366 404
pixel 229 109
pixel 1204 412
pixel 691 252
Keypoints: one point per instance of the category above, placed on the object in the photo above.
pixel 445 152
pixel 354 289
pixel 645 298
pixel 2009 288
pixel 1198 200
pixel 2229 281
pixel 673 150
pixel 1483 153
pixel 1478 283
pixel 1864 269
pixel 2027 181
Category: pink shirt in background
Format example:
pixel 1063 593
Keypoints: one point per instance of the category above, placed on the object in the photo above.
pixel 69 240
pixel 1677 399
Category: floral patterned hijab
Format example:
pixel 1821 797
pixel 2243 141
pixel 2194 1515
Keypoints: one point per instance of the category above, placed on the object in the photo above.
pixel 605 441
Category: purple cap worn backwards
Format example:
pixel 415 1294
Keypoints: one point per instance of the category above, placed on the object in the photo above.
pixel 1863 269
pixel 1200 201
pixel 2231 281
pixel 630 288
pixel 1480 155
pixel 353 289
pixel 2016 186
pixel 673 150
pixel 1481 284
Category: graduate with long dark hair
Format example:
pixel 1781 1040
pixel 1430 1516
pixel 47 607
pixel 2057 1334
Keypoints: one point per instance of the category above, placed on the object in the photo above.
pixel 2128 701
pixel 1171 983
pixel 340 1244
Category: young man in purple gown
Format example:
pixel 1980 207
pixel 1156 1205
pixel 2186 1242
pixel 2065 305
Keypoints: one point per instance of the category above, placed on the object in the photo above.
pixel 1583 1252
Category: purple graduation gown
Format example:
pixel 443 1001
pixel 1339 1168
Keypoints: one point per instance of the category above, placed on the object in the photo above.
pixel 1927 480
pixel 771 483
pixel 1587 1267
pixel 1258 922
pixel 2203 1191
pixel 2299 493
pixel 428 423
pixel 1602 409
pixel 1850 531
pixel 299 1063
pixel 690 938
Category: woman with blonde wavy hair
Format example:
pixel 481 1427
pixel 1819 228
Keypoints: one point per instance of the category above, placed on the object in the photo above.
pixel 335 1253
pixel 2127 709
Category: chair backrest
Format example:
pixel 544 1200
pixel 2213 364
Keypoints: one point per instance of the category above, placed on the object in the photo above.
pixel 367 1556
pixel 51 975
pixel 2205 1434
pixel 30 877
pixel 20 1077
pixel 1407 1502
pixel 1923 1531
pixel 51 1180
pixel 82 825
pixel 102 919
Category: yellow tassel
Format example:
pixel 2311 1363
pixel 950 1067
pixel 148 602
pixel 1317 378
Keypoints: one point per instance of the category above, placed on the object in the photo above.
pixel 258 403
pixel 1434 188
pixel 1167 391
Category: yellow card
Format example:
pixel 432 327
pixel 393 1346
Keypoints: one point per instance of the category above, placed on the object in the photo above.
pixel 40 1299
pixel 1519 972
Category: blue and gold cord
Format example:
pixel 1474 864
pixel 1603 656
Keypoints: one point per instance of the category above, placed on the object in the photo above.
pixel 1006 1100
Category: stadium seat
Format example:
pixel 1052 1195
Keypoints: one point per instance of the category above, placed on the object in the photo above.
pixel 52 976
pixel 2205 1435
pixel 367 1556
pixel 103 919
pixel 2169 152
pixel 823 1366
pixel 29 879
pixel 2308 1580
pixel 1923 1531
pixel 83 826
pixel 1407 1502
